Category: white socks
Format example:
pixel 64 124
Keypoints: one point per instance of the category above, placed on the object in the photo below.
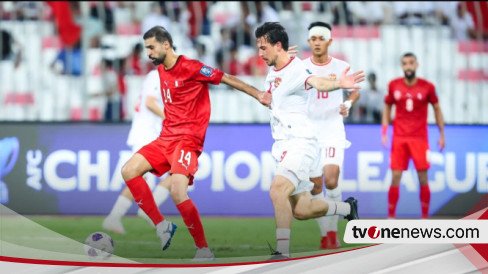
pixel 160 194
pixel 120 207
pixel 336 196
pixel 283 241
pixel 338 208
pixel 333 197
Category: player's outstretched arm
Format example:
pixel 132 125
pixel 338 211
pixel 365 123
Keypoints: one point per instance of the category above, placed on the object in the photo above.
pixel 385 121
pixel 344 82
pixel 234 82
pixel 439 119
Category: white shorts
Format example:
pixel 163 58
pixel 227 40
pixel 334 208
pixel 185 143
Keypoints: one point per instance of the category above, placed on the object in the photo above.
pixel 140 142
pixel 136 147
pixel 303 186
pixel 332 153
pixel 298 159
pixel 142 134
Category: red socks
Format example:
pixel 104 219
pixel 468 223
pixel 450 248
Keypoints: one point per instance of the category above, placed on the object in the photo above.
pixel 425 200
pixel 393 195
pixel 144 198
pixel 190 216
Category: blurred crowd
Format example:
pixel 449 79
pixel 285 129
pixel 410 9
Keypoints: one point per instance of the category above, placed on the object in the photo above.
pixel 221 33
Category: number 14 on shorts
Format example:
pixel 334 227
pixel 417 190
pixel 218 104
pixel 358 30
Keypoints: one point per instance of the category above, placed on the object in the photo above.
pixel 185 157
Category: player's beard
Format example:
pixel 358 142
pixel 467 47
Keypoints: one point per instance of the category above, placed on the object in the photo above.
pixel 409 74
pixel 158 61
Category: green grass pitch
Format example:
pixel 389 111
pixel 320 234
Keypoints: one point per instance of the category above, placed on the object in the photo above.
pixel 237 239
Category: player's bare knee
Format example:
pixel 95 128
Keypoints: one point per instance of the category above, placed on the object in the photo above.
pixel 178 195
pixel 396 176
pixel 166 183
pixel 331 183
pixel 422 175
pixel 274 193
pixel 128 171
pixel 300 214
pixel 277 190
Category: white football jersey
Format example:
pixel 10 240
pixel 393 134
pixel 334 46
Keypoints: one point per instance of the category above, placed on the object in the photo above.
pixel 146 126
pixel 323 107
pixel 288 109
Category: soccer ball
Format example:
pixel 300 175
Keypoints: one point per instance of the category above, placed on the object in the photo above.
pixel 99 245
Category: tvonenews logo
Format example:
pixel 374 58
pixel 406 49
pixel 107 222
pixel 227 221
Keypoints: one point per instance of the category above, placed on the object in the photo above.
pixel 417 231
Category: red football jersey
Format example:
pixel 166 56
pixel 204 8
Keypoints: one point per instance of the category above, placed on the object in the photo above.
pixel 186 98
pixel 411 106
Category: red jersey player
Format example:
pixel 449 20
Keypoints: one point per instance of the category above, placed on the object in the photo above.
pixel 411 95
pixel 184 86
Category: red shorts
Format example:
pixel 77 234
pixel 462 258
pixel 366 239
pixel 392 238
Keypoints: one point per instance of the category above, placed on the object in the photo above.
pixel 176 156
pixel 402 149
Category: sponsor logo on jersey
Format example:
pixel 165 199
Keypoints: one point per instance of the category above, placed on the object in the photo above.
pixel 277 82
pixel 419 96
pixel 207 71
pixel 308 71
pixel 332 76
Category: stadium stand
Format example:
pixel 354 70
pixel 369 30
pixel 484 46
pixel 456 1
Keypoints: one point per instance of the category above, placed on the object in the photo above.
pixel 34 88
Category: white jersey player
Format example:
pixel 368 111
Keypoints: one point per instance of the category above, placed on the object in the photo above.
pixel 145 127
pixel 327 111
pixel 296 148
pixel 148 114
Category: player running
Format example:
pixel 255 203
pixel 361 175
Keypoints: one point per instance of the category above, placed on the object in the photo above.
pixel 327 111
pixel 295 149
pixel 145 127
pixel 184 86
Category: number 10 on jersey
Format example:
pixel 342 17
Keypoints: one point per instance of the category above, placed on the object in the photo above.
pixel 322 94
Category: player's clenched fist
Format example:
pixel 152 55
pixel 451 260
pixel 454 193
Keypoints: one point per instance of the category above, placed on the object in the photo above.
pixel 264 98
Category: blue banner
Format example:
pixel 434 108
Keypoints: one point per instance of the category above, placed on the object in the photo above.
pixel 75 169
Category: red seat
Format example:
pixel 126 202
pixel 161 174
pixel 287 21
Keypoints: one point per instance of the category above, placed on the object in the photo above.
pixel 94 114
pixel 360 32
pixel 472 75
pixel 16 98
pixel 51 42
pixel 472 47
pixel 129 29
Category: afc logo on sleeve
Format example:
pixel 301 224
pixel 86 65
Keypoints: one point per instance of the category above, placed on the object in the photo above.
pixel 397 95
pixel 206 71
